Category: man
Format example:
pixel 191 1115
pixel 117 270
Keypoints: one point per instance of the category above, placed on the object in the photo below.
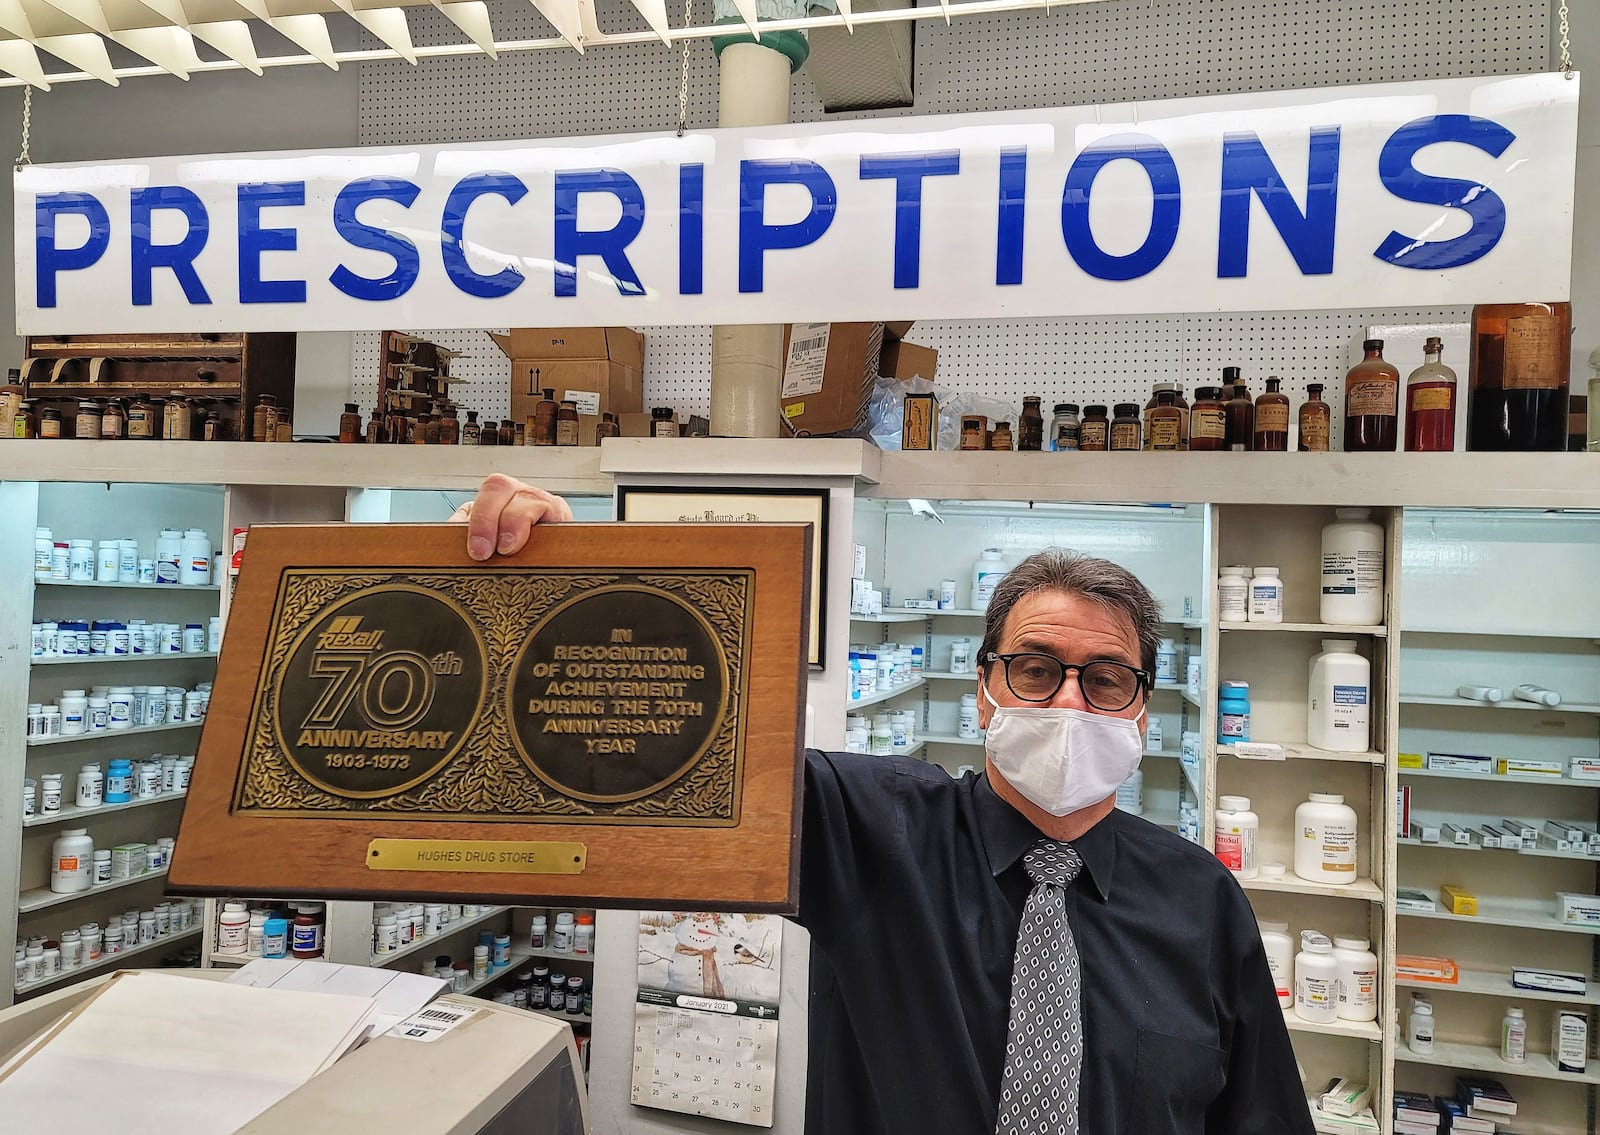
pixel 1006 952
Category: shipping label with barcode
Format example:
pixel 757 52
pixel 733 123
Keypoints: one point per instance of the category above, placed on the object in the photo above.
pixel 807 359
pixel 431 1023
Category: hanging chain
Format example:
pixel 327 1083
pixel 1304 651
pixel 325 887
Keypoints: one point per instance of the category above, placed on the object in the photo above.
pixel 683 85
pixel 1566 44
pixel 23 159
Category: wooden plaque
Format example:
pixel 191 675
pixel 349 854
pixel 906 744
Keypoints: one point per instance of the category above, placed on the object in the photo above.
pixel 612 716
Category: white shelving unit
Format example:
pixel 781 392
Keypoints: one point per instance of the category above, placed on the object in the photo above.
pixel 1499 985
pixel 101 505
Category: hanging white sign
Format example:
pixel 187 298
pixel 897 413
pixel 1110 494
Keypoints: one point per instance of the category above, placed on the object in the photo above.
pixel 1442 192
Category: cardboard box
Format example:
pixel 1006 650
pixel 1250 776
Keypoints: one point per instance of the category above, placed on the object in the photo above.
pixel 1458 900
pixel 828 373
pixel 599 368
pixel 1426 967
pixel 906 361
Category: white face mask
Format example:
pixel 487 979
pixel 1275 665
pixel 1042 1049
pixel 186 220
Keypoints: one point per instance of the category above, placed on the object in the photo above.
pixel 1062 759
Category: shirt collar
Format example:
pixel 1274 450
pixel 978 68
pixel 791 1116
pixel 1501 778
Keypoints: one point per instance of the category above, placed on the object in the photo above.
pixel 1007 835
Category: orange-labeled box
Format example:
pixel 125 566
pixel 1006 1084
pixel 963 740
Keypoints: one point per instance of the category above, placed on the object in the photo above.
pixel 1425 967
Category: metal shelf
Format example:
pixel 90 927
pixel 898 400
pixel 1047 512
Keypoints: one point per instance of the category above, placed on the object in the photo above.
pixel 89 659
pixel 1502 778
pixel 1361 1030
pixel 1468 703
pixel 884 695
pixel 42 897
pixel 72 812
pixel 1487 984
pixel 103 734
pixel 174 588
pixel 1360 889
pixel 1376 629
pixel 107 961
pixel 1482 1058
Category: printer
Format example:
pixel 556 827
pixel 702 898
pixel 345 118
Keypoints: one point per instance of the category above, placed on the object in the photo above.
pixel 504 1071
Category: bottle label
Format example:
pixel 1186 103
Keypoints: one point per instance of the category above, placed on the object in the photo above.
pixel 1125 435
pixel 1371 396
pixel 1314 433
pixel 1361 991
pixel 1432 398
pixel 1531 352
pixel 1316 992
pixel 305 939
pixel 1280 977
pixel 1234 725
pixel 1338 849
pixel 1349 713
pixel 1208 423
pixel 567 432
pixel 1092 434
pixel 1272 417
pixel 1230 849
pixel 1164 433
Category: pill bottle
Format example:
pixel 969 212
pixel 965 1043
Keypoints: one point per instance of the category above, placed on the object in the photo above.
pixel 1352 569
pixel 275 938
pixel 194 558
pixel 1280 959
pixel 880 743
pixel 1237 827
pixel 72 862
pixel 127 561
pixel 561 939
pixel 1513 1035
pixel 1266 596
pixel 44 545
pixel 500 952
pixel 538 931
pixel 575 995
pixel 1233 713
pixel 1325 840
pixel 583 934
pixel 1419 1029
pixel 108 553
pixel 80 561
pixel 1166 661
pixel 91 786
pixel 102 866
pixel 967 717
pixel 1316 979
pixel 987 573
pixel 1358 979
pixel 233 928
pixel 480 962
pixel 119 781
pixel 169 556
pixel 961 656
pixel 50 794
pixel 1233 594
pixel 1338 707
pixel 305 931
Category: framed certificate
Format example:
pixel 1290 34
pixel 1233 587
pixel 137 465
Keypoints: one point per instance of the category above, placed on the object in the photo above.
pixel 675 505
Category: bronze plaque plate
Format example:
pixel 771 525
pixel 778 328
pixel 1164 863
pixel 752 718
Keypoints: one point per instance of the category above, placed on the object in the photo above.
pixel 638 699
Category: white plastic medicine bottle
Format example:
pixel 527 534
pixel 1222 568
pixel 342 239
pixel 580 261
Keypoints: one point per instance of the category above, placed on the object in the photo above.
pixel 1237 827
pixel 1233 593
pixel 1358 979
pixel 1280 959
pixel 987 573
pixel 1266 596
pixel 1325 840
pixel 1352 568
pixel 1339 702
pixel 1316 979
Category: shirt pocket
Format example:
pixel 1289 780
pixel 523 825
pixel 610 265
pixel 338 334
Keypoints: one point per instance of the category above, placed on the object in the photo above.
pixel 1174 1081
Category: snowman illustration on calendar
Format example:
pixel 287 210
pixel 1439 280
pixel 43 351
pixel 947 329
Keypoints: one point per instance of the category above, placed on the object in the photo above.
pixel 692 969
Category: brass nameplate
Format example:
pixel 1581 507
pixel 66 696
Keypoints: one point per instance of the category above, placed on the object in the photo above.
pixel 605 697
pixel 484 856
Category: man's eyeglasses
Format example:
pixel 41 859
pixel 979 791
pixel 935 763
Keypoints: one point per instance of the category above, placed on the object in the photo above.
pixel 1107 686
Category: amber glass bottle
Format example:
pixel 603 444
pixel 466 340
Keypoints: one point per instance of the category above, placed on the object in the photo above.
pixel 1431 403
pixel 606 427
pixel 1030 425
pixel 974 432
pixel 567 423
pixel 1127 431
pixel 1094 431
pixel 472 432
pixel 1164 427
pixel 542 427
pixel 350 425
pixel 1521 353
pixel 1315 420
pixel 1272 419
pixel 1208 421
pixel 1241 410
pixel 490 434
pixel 1371 403
pixel 1001 437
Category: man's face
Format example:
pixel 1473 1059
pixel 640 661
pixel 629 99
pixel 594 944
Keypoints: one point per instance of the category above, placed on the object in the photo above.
pixel 1072 629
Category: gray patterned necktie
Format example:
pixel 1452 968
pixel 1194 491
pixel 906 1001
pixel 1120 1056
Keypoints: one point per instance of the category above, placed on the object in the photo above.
pixel 1044 1044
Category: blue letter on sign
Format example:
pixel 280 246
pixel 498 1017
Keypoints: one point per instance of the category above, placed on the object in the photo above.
pixel 1246 170
pixel 908 170
pixel 1163 173
pixel 47 258
pixel 610 245
pixel 1478 201
pixel 1013 211
pixel 466 191
pixel 254 240
pixel 691 227
pixel 146 257
pixel 756 236
pixel 407 262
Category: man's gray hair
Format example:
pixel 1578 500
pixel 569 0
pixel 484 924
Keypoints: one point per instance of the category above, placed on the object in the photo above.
pixel 1100 581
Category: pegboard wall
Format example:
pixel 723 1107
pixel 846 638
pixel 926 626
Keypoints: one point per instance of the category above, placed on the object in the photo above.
pixel 1116 51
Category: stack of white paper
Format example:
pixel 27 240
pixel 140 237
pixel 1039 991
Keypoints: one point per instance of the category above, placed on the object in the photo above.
pixel 161 1054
